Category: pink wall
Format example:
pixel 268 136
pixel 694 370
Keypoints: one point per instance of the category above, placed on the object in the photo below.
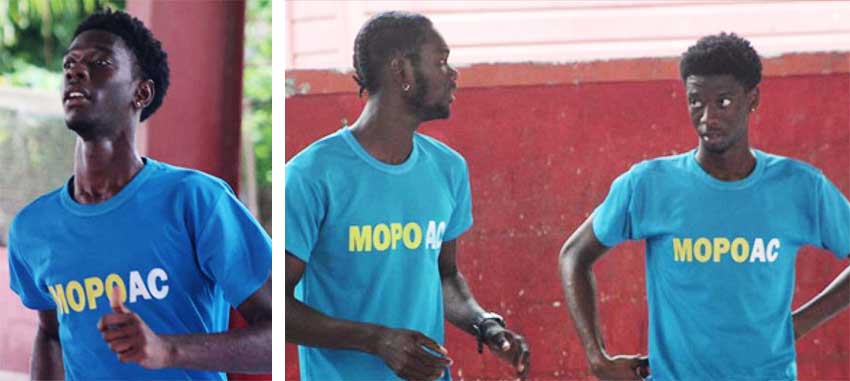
pixel 17 324
pixel 544 142
pixel 320 33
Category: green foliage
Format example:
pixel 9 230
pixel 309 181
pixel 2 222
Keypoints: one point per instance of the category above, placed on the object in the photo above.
pixel 257 86
pixel 34 33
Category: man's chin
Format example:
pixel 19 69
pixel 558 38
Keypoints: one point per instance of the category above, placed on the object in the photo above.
pixel 434 113
pixel 716 148
pixel 83 127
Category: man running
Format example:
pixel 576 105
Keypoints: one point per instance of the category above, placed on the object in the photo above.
pixel 133 264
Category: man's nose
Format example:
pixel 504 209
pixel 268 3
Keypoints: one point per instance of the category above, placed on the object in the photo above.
pixel 708 115
pixel 76 72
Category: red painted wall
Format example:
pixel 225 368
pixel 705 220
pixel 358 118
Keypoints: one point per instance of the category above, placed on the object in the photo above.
pixel 542 156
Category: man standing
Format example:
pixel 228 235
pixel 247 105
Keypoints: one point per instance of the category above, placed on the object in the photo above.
pixel 373 214
pixel 134 264
pixel 722 224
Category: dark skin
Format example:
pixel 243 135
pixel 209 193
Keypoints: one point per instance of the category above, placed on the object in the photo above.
pixel 385 129
pixel 401 348
pixel 103 99
pixel 719 108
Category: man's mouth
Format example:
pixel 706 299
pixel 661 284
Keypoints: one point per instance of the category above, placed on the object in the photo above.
pixel 75 97
pixel 711 136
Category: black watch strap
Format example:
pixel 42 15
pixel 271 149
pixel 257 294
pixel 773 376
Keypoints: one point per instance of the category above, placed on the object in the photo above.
pixel 478 326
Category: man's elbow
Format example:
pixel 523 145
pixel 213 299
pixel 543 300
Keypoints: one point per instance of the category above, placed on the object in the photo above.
pixel 568 257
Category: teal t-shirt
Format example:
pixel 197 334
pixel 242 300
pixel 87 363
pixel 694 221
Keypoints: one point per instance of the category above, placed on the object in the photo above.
pixel 720 259
pixel 370 234
pixel 177 242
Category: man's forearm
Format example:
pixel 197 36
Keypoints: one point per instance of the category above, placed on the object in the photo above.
pixel 242 350
pixel 580 292
pixel 461 308
pixel 46 361
pixel 828 303
pixel 306 326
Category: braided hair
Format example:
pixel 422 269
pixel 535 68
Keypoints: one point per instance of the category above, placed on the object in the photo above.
pixel 383 36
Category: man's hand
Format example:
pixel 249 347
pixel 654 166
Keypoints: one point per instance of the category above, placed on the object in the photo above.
pixel 621 367
pixel 404 352
pixel 131 339
pixel 509 346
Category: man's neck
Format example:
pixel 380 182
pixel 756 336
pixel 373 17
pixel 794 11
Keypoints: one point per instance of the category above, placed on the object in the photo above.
pixel 102 167
pixel 385 130
pixel 736 163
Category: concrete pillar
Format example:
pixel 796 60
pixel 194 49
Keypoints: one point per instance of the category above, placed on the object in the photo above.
pixel 198 125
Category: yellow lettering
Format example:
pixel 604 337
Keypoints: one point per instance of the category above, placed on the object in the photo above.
pixel 412 242
pixel 682 250
pixel 395 232
pixel 94 289
pixel 359 240
pixel 59 298
pixel 381 237
pixel 77 303
pixel 740 250
pixel 702 250
pixel 721 246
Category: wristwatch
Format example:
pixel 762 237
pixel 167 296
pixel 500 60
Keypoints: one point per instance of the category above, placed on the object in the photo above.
pixel 478 327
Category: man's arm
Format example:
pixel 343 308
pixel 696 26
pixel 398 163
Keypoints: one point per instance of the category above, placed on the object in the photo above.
pixel 402 350
pixel 579 253
pixel 462 310
pixel 823 307
pixel 47 351
pixel 242 350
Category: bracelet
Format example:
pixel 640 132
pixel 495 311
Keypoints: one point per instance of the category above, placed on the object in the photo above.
pixel 478 327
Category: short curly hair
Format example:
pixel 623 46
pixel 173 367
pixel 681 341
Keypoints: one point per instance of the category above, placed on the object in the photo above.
pixel 151 59
pixel 724 53
pixel 382 36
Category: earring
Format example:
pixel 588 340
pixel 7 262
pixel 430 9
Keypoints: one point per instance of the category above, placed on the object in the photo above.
pixel 405 86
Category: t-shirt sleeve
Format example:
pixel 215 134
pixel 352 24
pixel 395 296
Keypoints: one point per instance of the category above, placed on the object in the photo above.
pixel 233 249
pixel 613 219
pixel 461 219
pixel 833 219
pixel 304 214
pixel 22 279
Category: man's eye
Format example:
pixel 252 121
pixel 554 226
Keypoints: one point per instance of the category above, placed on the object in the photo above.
pixel 695 103
pixel 66 65
pixel 725 102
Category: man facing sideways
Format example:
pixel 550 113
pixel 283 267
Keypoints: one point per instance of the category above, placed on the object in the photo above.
pixel 722 224
pixel 133 264
pixel 373 215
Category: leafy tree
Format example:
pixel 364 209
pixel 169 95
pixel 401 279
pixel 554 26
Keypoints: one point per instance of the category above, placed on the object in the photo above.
pixel 257 86
pixel 33 35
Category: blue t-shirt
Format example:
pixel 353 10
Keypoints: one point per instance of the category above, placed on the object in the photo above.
pixel 720 259
pixel 177 242
pixel 370 234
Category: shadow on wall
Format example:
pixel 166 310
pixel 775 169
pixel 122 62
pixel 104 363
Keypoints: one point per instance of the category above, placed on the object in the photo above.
pixel 35 149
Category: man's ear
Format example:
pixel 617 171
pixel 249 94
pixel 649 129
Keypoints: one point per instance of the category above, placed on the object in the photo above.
pixel 401 70
pixel 144 94
pixel 755 96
